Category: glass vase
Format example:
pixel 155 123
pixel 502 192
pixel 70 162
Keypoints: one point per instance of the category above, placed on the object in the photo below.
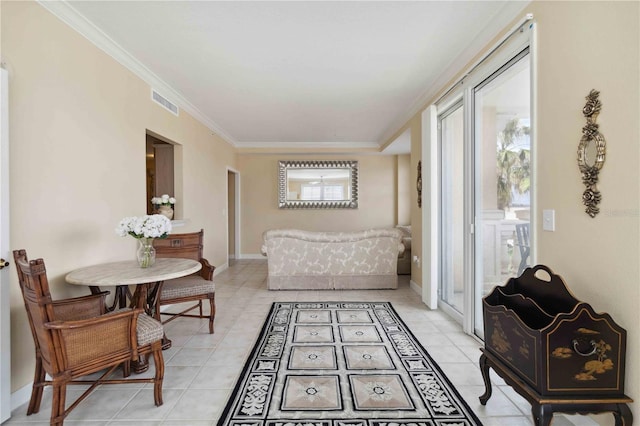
pixel 146 252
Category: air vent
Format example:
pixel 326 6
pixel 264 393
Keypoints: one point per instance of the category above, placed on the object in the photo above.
pixel 166 103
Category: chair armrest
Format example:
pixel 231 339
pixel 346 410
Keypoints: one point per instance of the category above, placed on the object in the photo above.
pixel 88 322
pixel 83 341
pixel 207 270
pixel 78 308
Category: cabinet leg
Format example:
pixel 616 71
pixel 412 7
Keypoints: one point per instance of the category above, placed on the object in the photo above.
pixel 542 414
pixel 623 415
pixel 484 368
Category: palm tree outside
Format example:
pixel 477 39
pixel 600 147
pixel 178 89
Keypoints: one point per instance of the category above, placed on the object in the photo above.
pixel 513 163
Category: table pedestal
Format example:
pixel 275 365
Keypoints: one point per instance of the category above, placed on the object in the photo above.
pixel 146 296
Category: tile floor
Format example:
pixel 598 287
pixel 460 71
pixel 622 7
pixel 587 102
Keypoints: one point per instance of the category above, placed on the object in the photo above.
pixel 201 369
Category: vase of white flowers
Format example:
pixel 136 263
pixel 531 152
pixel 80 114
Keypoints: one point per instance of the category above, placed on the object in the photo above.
pixel 146 253
pixel 164 205
pixel 145 229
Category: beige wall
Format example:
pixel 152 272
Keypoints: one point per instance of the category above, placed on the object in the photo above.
pixel 259 199
pixel 416 212
pixel 406 189
pixel 584 46
pixel 78 121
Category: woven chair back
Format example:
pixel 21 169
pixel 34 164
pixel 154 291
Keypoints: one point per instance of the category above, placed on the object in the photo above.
pixel 32 277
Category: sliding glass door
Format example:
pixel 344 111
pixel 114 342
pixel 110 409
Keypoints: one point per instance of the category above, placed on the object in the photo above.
pixel 484 143
pixel 502 190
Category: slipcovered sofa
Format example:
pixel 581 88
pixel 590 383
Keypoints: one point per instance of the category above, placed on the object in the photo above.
pixel 305 260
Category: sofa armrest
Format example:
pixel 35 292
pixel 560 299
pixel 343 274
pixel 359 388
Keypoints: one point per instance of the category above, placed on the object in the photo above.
pixel 400 249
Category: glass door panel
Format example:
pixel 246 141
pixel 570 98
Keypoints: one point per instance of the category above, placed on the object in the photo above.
pixel 502 116
pixel 451 137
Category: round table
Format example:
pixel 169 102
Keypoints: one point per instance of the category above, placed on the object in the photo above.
pixel 148 282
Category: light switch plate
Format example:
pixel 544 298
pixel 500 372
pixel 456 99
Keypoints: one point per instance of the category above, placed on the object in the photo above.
pixel 548 220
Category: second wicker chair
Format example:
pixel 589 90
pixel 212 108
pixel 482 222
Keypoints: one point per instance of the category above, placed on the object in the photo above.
pixel 192 288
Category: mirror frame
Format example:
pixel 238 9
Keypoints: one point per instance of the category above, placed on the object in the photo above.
pixel 285 165
pixel 590 167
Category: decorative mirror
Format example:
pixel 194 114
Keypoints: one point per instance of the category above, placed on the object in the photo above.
pixel 318 184
pixel 591 154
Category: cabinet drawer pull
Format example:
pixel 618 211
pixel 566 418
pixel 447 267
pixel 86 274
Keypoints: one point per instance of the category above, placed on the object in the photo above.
pixel 592 343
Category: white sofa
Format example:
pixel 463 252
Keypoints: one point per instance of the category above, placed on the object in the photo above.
pixel 304 260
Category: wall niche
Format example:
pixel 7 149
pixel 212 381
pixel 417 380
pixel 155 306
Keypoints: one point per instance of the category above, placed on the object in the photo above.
pixel 160 169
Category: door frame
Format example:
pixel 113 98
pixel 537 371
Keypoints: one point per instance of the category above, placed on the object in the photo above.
pixel 5 296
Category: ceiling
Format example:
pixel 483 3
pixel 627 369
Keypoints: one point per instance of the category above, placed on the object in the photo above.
pixel 323 74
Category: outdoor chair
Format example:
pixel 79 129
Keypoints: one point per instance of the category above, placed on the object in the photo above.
pixel 522 234
pixel 75 338
pixel 192 288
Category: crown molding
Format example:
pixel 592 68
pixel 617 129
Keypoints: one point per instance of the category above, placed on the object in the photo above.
pixel 70 16
pixel 308 145
pixel 309 148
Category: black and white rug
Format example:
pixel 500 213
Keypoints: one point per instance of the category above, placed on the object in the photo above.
pixel 342 364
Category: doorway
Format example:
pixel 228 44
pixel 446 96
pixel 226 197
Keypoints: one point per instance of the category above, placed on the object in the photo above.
pixel 233 215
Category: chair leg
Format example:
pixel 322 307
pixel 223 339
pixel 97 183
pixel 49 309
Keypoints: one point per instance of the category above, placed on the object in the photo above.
pixel 57 405
pixel 126 368
pixel 158 360
pixel 212 303
pixel 38 387
pixel 200 307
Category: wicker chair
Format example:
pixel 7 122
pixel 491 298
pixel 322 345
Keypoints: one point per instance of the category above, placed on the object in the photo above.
pixel 75 337
pixel 196 287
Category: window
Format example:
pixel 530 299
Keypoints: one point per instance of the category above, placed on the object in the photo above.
pixel 322 192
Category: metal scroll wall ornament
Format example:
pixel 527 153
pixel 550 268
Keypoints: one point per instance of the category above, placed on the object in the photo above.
pixel 591 154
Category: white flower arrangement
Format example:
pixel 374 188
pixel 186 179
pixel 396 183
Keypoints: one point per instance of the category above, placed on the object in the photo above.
pixel 148 226
pixel 164 200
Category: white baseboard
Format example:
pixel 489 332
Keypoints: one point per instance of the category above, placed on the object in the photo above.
pixel 21 396
pixel 415 287
pixel 253 256
pixel 220 268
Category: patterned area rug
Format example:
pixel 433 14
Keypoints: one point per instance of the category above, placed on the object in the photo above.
pixel 342 364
